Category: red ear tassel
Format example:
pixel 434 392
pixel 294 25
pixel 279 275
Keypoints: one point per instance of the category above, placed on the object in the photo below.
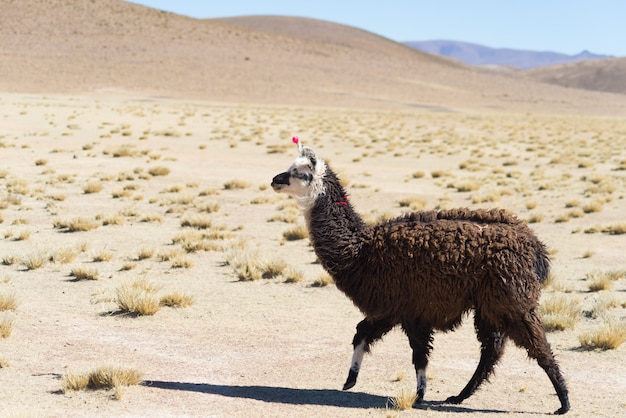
pixel 295 140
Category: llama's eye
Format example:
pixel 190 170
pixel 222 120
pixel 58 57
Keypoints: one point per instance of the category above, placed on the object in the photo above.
pixel 308 177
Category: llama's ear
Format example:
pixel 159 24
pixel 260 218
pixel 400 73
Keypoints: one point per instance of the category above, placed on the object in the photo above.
pixel 310 155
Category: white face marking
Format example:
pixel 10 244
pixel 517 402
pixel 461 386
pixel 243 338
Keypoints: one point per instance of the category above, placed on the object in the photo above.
pixel 305 184
pixel 421 380
pixel 357 357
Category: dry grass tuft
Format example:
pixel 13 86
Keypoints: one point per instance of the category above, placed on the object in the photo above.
pixel 138 297
pixel 599 281
pixel 145 253
pixel 236 185
pixel 6 328
pixel 107 377
pixel 65 255
pixel 323 280
pixel 414 203
pixel 199 221
pixel 104 255
pixel 292 275
pixel 609 337
pixel 81 273
pixel 404 400
pixel 176 300
pixel 7 302
pixel 78 224
pixel 559 313
pixel 35 261
pixel 158 171
pixel 296 233
pixel 92 187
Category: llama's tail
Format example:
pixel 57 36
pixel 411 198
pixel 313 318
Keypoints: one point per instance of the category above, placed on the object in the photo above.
pixel 542 262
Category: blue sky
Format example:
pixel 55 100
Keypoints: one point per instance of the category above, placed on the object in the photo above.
pixel 567 26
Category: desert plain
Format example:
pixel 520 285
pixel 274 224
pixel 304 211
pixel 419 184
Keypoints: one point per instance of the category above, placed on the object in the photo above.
pixel 118 188
pixel 280 346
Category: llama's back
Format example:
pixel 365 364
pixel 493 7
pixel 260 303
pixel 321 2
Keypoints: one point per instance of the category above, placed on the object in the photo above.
pixel 480 216
pixel 481 229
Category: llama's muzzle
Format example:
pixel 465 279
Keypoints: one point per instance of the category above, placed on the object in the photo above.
pixel 280 180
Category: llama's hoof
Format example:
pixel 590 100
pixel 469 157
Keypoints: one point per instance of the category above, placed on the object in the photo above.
pixel 420 397
pixel 351 381
pixel 454 400
pixel 562 410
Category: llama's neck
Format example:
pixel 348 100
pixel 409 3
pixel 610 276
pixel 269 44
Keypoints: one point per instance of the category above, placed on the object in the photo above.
pixel 335 229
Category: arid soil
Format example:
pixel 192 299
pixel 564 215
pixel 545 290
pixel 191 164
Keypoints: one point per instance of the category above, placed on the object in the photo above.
pixel 133 152
pixel 265 346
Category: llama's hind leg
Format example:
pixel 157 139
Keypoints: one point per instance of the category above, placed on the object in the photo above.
pixel 420 340
pixel 530 334
pixel 492 342
pixel 367 331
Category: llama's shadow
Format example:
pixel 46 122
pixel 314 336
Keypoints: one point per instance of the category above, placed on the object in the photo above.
pixel 291 396
pixel 273 394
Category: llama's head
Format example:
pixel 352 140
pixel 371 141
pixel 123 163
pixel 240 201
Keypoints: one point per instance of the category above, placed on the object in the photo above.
pixel 304 179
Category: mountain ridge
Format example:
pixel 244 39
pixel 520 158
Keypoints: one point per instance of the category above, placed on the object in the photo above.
pixel 481 55
pixel 115 47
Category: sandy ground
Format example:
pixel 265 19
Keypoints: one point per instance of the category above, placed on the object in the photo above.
pixel 267 347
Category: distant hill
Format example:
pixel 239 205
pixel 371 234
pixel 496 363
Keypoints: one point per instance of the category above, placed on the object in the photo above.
pixel 111 47
pixel 607 75
pixel 474 54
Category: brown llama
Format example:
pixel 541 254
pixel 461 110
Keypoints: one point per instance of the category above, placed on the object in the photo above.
pixel 425 270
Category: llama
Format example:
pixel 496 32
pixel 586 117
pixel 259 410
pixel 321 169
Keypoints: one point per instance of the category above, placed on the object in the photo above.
pixel 424 271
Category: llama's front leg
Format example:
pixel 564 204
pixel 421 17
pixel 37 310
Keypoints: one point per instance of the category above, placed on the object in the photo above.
pixel 420 339
pixel 367 332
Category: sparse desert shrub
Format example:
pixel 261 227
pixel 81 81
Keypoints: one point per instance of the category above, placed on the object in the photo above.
pixel 8 302
pixel 154 217
pixel 65 255
pixel 272 268
pixel 78 224
pixel 414 203
pixel 81 273
pixel 138 297
pixel 145 253
pixel 6 328
pixel 534 218
pixel 23 235
pixel 181 261
pixel 559 313
pixel 323 280
pixel 103 378
pixel 236 185
pixel 599 281
pixel 92 187
pixel 4 363
pixel 10 260
pixel 609 337
pixel 120 193
pixel 168 255
pixel 591 207
pixel 617 229
pixel 35 261
pixel 104 255
pixel 198 220
pixel 158 171
pixel 466 186
pixel 115 219
pixel 292 275
pixel 128 266
pixel 296 233
pixel 404 400
pixel 209 207
pixel 176 300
